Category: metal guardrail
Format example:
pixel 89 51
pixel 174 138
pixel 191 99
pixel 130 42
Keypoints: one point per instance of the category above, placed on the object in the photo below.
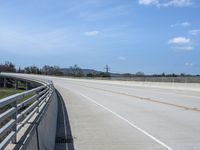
pixel 19 112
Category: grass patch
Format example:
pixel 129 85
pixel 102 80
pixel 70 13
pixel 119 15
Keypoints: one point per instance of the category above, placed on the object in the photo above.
pixel 5 92
pixel 25 97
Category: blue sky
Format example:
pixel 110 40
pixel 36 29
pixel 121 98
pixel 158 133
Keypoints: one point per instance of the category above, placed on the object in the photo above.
pixel 152 36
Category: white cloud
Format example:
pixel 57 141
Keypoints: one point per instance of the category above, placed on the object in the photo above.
pixel 178 3
pixel 92 33
pixel 179 40
pixel 148 2
pixel 167 3
pixel 181 43
pixel 182 24
pixel 122 58
pixel 185 24
pixel 185 48
pixel 194 32
pixel 189 64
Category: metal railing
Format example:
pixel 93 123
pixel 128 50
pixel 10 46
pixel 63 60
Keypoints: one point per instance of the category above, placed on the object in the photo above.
pixel 15 112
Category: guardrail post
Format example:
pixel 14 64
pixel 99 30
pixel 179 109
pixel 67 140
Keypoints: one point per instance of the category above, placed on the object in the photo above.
pixel 49 90
pixel 37 99
pixel 4 82
pixel 26 85
pixel 16 84
pixel 14 140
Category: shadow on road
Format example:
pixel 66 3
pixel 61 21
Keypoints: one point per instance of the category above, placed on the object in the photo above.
pixel 64 138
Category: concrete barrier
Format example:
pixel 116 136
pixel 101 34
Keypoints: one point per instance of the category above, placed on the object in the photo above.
pixel 167 85
pixel 43 133
pixel 162 85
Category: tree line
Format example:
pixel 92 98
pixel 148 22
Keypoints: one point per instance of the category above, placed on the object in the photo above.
pixel 74 71
pixel 46 69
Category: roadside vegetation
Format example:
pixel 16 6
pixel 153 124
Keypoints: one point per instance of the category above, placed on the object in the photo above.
pixel 5 92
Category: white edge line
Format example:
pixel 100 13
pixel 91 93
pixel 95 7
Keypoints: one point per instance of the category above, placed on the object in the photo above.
pixel 130 123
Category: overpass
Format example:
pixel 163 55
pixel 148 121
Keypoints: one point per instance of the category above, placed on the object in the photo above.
pixel 126 115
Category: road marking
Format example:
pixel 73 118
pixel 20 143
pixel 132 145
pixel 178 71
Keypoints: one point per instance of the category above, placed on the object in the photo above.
pixel 127 121
pixel 146 99
pixel 131 86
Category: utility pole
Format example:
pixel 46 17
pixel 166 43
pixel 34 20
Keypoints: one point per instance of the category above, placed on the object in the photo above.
pixel 107 69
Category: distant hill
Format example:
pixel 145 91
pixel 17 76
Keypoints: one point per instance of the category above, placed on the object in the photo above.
pixel 85 71
pixel 67 71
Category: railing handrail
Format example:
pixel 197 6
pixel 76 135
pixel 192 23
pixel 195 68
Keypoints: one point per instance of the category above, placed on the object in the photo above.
pixel 31 106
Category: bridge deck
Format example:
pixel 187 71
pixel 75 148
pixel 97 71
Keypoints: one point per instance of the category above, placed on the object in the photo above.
pixel 106 116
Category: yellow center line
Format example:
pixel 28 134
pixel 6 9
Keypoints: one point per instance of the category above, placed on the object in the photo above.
pixel 145 99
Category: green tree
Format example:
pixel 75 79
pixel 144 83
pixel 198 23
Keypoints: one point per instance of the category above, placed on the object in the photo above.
pixel 51 70
pixel 7 67
pixel 32 70
pixel 76 71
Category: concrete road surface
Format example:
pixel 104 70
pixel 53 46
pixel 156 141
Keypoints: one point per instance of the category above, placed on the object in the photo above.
pixel 106 116
pixel 119 117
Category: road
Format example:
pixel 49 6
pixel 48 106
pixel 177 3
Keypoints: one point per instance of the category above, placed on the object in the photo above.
pixel 111 116
pixel 115 117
